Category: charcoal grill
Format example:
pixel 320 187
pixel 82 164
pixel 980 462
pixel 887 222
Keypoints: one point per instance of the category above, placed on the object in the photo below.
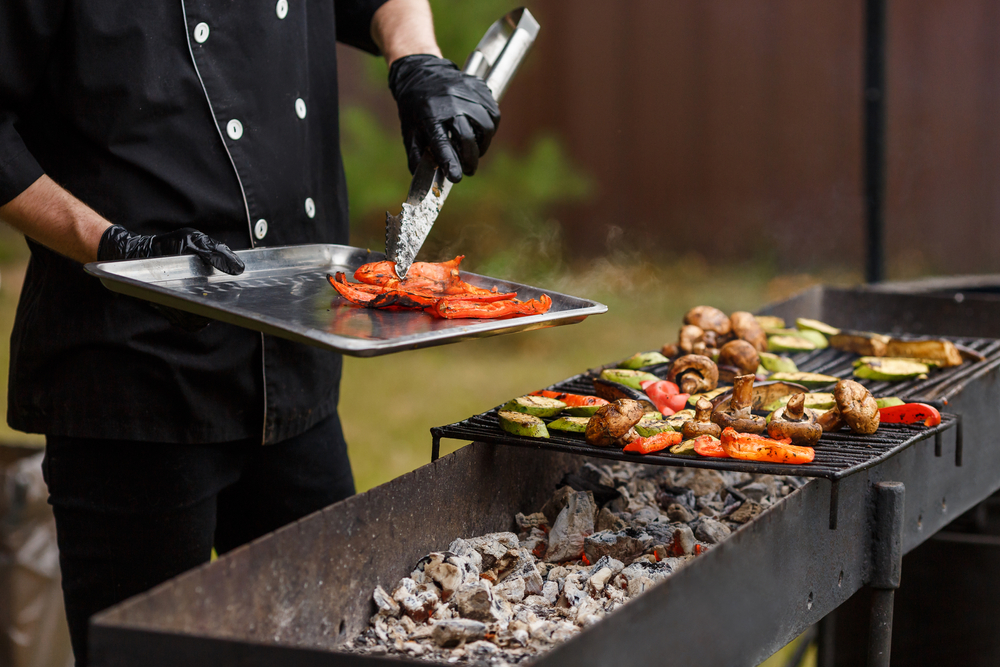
pixel 292 597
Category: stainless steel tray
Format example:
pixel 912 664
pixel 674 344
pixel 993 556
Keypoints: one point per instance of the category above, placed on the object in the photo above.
pixel 284 292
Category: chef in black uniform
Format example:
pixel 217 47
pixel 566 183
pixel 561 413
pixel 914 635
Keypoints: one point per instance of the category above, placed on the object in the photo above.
pixel 134 130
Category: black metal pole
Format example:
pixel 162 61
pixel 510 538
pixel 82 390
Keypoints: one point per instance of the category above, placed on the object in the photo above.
pixel 874 167
pixel 887 563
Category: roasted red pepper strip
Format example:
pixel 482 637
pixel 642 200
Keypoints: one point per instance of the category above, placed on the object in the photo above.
pixel 664 395
pixel 460 309
pixel 654 443
pixel 438 277
pixel 910 413
pixel 707 445
pixel 384 298
pixel 572 400
pixel 749 447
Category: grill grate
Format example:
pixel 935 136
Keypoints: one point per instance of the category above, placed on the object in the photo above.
pixel 837 454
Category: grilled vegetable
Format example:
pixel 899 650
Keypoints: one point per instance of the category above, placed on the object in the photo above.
pixel 627 377
pixel 746 327
pixel 789 344
pixel 577 405
pixel 694 373
pixel 737 414
pixel 930 363
pixel 942 351
pixel 612 424
pixel 706 445
pixel 649 425
pixel 653 443
pixel 814 337
pixel 808 380
pixel 708 318
pixel 665 396
pixel 777 364
pixel 457 309
pixel 856 407
pixel 710 395
pixel 764 393
pixel 750 447
pixel 571 424
pixel 612 391
pixel 741 356
pixel 538 406
pixel 770 322
pixel 891 370
pixel 861 342
pixel 519 423
pixel 889 402
pixel 795 422
pixel 678 419
pixel 910 413
pixel 686 448
pixel 816 401
pixel 642 359
pixel 815 325
pixel 702 423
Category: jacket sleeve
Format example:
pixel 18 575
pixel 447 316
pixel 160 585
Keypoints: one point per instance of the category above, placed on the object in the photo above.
pixel 354 23
pixel 27 31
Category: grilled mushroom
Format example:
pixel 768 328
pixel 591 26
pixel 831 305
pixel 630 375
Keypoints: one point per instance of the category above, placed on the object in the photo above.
pixel 702 422
pixel 709 319
pixel 687 338
pixel 739 355
pixel 856 407
pixel 670 350
pixel 738 416
pixel 795 421
pixel 612 423
pixel 746 327
pixel 694 374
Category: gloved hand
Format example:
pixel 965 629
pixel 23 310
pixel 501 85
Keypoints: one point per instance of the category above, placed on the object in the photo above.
pixel 442 109
pixel 119 243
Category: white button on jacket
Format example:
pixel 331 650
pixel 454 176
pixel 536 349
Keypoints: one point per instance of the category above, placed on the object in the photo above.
pixel 260 229
pixel 201 33
pixel 234 129
pixel 310 207
pixel 281 9
pixel 300 108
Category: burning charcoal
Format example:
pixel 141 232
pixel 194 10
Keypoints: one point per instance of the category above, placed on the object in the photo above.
pixel 556 503
pixel 589 612
pixel 748 511
pixel 520 636
pixel 573 590
pixel 476 601
pixel 414 649
pixel 550 591
pixel 599 580
pixel 525 568
pixel 622 545
pixel 575 521
pixel 701 482
pixel 712 531
pixel 602 494
pixel 607 520
pixel 596 475
pixel 683 542
pixel 680 514
pixel 458 631
pixel 386 605
pixel 755 491
pixel 493 547
pixel 660 552
pixel 417 600
pixel 612 564
pixel 462 548
pixel 639 585
pixel 481 649
pixel 645 516
pixel 526 522
pixel 512 589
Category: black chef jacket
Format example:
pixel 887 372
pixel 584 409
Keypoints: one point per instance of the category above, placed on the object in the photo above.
pixel 210 114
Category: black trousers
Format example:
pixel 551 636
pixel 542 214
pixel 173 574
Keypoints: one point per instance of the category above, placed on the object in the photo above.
pixel 130 515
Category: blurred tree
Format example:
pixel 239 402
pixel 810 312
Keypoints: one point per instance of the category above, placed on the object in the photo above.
pixel 501 218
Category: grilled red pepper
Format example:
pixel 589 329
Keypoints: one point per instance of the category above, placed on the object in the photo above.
pixel 461 308
pixel 572 400
pixel 750 447
pixel 707 445
pixel 910 413
pixel 664 396
pixel 654 443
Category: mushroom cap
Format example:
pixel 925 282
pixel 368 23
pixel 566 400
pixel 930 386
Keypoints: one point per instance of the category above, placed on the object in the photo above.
pixel 749 424
pixel 857 406
pixel 693 429
pixel 709 318
pixel 831 420
pixel 688 336
pixel 746 327
pixel 740 354
pixel 800 432
pixel 695 364
pixel 613 422
pixel 670 350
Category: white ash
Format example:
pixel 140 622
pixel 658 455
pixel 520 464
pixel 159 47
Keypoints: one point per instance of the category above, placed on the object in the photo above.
pixel 504 598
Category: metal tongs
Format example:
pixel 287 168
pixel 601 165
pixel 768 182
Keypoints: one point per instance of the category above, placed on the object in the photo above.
pixel 495 59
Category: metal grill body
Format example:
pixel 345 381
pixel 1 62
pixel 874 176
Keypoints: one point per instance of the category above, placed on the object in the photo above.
pixel 293 596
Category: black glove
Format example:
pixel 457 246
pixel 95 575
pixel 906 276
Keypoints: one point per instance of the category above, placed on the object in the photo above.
pixel 118 243
pixel 444 110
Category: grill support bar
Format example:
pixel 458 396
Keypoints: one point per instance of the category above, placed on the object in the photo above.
pixel 887 562
pixel 875 122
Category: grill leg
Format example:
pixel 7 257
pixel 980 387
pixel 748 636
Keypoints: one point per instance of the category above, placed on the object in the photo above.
pixel 435 446
pixel 887 562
